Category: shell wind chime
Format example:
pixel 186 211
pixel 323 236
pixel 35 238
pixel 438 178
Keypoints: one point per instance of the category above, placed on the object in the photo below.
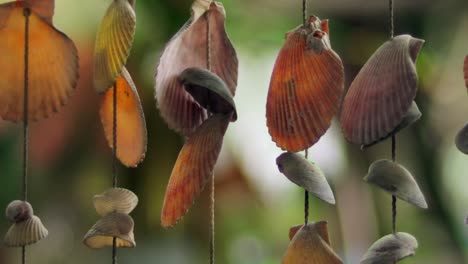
pixel 124 126
pixel 39 68
pixel 194 89
pixel 305 93
pixel 378 104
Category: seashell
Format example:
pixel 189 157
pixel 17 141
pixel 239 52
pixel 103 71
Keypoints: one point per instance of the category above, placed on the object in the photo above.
pixel 306 175
pixel 25 232
pixel 321 229
pixel 113 43
pixel 465 70
pixel 382 93
pixel 53 65
pixel 306 87
pixel 118 200
pixel 310 246
pixel 396 180
pixel 193 168
pixel 209 91
pixel 461 140
pixel 411 117
pixel 43 8
pixel 18 211
pixel 391 249
pixel 131 124
pixel 112 225
pixel 188 48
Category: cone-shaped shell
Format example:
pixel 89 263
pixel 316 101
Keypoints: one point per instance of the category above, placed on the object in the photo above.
pixel 382 93
pixel 321 229
pixel 188 49
pixel 26 232
pixel 461 140
pixel 43 8
pixel 396 180
pixel 18 211
pixel 465 70
pixel 112 225
pixel 53 65
pixel 113 43
pixel 306 87
pixel 118 200
pixel 131 124
pixel 308 246
pixel 305 174
pixel 193 168
pixel 209 91
pixel 390 249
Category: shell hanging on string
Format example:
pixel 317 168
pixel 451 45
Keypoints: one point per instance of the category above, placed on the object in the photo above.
pixel 390 249
pixel 18 211
pixel 112 225
pixel 131 124
pixel 188 48
pixel 311 245
pixel 43 8
pixel 461 140
pixel 117 200
pixel 382 93
pixel 53 63
pixel 396 180
pixel 113 43
pixel 306 87
pixel 465 70
pixel 306 175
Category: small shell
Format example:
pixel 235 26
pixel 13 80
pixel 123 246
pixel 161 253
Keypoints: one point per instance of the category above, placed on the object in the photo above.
pixel 209 91
pixel 310 246
pixel 382 93
pixel 465 70
pixel 305 174
pixel 131 124
pixel 188 49
pixel 321 229
pixel 396 180
pixel 26 232
pixel 18 211
pixel 115 200
pixel 43 8
pixel 306 87
pixel 53 65
pixel 193 168
pixel 113 43
pixel 461 140
pixel 391 249
pixel 112 225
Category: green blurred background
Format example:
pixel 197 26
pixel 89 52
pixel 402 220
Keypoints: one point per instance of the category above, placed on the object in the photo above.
pixel 256 205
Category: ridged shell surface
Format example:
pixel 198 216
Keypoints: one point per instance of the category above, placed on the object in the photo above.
pixel 18 211
pixel 193 168
pixel 53 66
pixel 188 48
pixel 306 88
pixel 118 200
pixel 131 124
pixel 390 249
pixel 382 92
pixel 25 233
pixel 113 43
pixel 461 140
pixel 112 225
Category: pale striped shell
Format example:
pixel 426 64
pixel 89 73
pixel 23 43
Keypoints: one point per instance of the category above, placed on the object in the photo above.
pixel 461 140
pixel 112 225
pixel 382 93
pixel 396 180
pixel 188 48
pixel 113 43
pixel 390 249
pixel 118 200
pixel 306 87
pixel 305 174
pixel 25 233
pixel 18 211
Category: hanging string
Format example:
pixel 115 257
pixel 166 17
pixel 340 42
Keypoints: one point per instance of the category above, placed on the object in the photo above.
pixel 306 198
pixel 390 22
pixel 304 12
pixel 114 160
pixel 394 200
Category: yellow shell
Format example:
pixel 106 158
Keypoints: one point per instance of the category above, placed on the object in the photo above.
pixel 118 200
pixel 18 211
pixel 26 232
pixel 391 249
pixel 112 225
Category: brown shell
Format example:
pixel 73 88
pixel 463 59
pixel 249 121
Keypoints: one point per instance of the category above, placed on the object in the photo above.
pixel 382 93
pixel 131 124
pixel 113 43
pixel 112 225
pixel 308 246
pixel 188 48
pixel 390 249
pixel 118 200
pixel 305 88
pixel 43 8
pixel 26 232
pixel 321 229
pixel 465 70
pixel 193 168
pixel 53 65
pixel 461 140
pixel 18 211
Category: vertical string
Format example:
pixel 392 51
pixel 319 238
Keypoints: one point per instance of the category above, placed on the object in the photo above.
pixel 114 161
pixel 306 198
pixel 391 22
pixel 304 12
pixel 394 200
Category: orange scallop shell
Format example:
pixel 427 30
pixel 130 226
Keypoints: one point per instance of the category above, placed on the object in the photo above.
pixel 465 70
pixel 188 48
pixel 193 168
pixel 382 93
pixel 305 89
